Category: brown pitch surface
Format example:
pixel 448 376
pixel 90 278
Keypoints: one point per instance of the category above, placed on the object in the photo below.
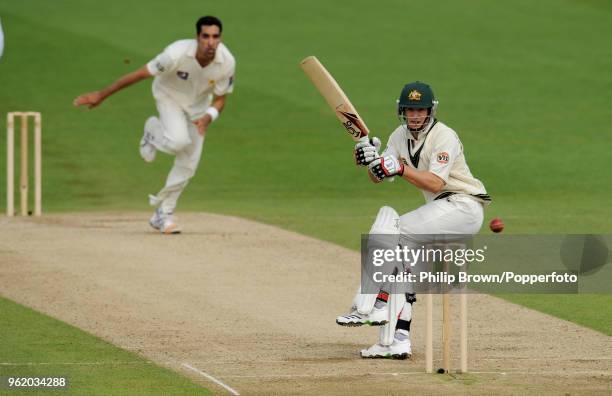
pixel 255 307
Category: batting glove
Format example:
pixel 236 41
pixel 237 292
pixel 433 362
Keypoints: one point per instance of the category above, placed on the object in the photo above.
pixel 386 166
pixel 366 150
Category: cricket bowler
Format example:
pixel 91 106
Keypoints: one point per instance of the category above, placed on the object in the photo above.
pixel 428 154
pixel 192 80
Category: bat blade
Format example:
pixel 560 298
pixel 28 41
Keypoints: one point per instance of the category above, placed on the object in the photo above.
pixel 335 97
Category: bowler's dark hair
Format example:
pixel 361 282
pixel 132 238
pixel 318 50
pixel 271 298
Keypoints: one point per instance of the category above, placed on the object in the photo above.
pixel 208 20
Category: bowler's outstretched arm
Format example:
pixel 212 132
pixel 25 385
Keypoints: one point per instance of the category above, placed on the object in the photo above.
pixel 93 99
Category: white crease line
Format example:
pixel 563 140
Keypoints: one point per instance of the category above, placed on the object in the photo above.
pixel 348 375
pixel 552 372
pixel 555 372
pixel 211 378
pixel 340 361
pixel 318 375
pixel 501 373
pixel 552 359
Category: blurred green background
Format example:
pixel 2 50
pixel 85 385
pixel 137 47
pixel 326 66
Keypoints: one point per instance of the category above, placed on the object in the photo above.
pixel 526 85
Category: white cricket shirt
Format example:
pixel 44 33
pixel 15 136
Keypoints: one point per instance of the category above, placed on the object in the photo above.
pixel 440 152
pixel 179 76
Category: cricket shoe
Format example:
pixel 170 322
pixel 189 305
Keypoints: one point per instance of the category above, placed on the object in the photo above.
pixel 164 223
pixel 378 317
pixel 147 149
pixel 399 350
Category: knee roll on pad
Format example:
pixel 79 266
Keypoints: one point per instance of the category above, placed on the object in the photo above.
pixel 387 222
pixel 385 231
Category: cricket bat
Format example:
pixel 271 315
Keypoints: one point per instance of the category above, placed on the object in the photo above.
pixel 335 97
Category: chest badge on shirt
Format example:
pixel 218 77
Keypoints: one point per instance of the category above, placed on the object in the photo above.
pixel 442 157
pixel 211 82
pixel 182 75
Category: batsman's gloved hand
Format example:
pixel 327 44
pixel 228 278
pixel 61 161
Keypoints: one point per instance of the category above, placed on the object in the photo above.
pixel 366 150
pixel 386 166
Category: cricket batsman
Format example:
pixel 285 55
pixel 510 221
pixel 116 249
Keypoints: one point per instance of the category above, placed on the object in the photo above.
pixel 429 155
pixel 192 80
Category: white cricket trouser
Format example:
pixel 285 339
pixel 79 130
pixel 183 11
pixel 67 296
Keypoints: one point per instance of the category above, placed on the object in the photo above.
pixel 180 137
pixel 457 214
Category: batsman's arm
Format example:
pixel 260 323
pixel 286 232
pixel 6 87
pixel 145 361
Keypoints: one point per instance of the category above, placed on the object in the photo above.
pixel 423 179
pixel 93 99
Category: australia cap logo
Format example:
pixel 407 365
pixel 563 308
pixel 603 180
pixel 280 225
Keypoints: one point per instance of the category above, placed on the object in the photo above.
pixel 414 95
pixel 182 75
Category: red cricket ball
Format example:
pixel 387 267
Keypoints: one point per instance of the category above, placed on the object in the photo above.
pixel 496 225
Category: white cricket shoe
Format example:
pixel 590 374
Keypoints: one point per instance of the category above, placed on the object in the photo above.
pixel 378 317
pixel 398 350
pixel 147 149
pixel 164 223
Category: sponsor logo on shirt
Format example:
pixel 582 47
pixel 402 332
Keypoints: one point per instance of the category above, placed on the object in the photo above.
pixel 182 75
pixel 443 157
pixel 160 67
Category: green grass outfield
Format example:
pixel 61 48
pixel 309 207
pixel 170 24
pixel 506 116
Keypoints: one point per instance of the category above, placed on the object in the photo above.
pixel 525 84
pixel 35 345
